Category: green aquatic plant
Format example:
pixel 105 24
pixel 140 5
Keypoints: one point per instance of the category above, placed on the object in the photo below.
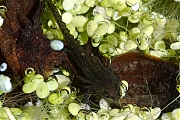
pixel 64 103
pixel 35 82
pixel 115 27
pixel 5 83
pixel 133 24
pixel 2 12
pixel 175 114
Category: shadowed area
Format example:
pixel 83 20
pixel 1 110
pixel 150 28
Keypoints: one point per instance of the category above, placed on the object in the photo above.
pixel 152 81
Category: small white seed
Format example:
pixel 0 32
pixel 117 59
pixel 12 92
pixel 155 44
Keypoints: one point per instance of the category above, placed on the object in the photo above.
pixel 3 67
pixel 57 45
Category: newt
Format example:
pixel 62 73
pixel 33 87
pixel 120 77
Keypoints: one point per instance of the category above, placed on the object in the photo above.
pixel 102 80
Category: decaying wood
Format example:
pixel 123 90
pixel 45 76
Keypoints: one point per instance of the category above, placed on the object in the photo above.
pixel 152 81
pixel 22 42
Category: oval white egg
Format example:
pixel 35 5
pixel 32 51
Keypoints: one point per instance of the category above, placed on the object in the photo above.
pixel 57 45
pixel 5 84
pixel 3 67
pixel 175 46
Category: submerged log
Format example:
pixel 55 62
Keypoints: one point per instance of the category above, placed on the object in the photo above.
pixel 22 42
pixel 152 81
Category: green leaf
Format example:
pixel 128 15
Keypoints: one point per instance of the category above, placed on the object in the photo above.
pixel 82 38
pixel 176 114
pixel 74 108
pixel 3 114
pixel 119 4
pixel 103 48
pixel 91 27
pixel 30 87
pixel 42 91
pixel 29 74
pixel 95 40
pixel 160 45
pixel 16 111
pixel 55 98
pixel 112 40
pixel 79 21
pixel 102 29
pixel 52 85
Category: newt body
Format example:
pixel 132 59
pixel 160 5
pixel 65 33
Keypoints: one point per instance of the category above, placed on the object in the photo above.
pixel 103 81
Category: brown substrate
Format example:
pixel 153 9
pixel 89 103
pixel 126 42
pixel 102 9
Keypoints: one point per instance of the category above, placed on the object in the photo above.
pixel 152 81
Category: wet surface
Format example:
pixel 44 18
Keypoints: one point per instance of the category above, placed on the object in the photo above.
pixel 152 81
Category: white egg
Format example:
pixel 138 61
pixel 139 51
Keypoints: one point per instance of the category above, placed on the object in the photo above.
pixel 176 114
pixel 135 7
pixel 57 45
pixel 1 21
pixel 68 4
pixel 175 46
pixel 5 84
pixel 3 67
pixel 103 104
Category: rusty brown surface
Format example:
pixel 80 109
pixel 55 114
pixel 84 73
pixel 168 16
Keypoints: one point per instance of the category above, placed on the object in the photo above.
pixel 144 74
pixel 22 42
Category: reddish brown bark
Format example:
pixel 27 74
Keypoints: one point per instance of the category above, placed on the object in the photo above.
pixel 22 42
pixel 144 74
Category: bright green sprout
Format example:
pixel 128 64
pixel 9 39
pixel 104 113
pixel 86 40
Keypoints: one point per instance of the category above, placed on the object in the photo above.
pixel 35 82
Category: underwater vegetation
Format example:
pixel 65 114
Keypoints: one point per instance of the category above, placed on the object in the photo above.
pixel 89 59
